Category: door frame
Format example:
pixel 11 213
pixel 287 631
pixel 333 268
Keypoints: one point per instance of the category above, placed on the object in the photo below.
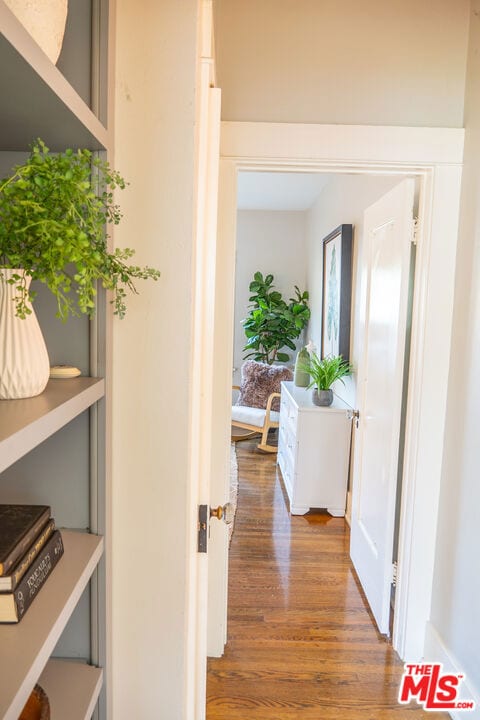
pixel 434 155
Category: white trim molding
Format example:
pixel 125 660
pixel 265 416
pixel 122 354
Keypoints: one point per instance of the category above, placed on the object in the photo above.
pixel 437 652
pixel 342 144
pixel 434 156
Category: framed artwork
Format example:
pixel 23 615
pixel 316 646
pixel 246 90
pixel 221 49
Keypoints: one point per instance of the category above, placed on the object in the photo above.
pixel 337 292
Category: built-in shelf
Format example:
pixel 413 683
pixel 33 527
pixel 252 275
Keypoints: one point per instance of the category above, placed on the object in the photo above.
pixel 72 689
pixel 37 100
pixel 25 648
pixel 24 424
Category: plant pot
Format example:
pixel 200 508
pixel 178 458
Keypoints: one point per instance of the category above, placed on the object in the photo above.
pixel 24 364
pixel 323 398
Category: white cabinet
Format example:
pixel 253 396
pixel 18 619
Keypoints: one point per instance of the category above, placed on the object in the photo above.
pixel 313 451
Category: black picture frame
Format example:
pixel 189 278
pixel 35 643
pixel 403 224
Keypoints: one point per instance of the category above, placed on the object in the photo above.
pixel 337 292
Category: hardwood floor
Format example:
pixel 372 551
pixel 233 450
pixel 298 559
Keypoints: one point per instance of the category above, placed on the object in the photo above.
pixel 301 642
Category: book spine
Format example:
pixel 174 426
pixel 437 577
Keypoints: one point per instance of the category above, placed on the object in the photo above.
pixel 21 567
pixel 37 574
pixel 24 543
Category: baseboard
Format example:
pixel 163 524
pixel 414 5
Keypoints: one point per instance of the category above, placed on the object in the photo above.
pixel 436 651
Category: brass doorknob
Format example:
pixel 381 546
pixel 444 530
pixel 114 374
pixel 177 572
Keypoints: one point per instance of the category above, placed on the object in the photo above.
pixel 223 512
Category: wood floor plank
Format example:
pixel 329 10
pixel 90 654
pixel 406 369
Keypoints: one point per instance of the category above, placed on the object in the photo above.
pixel 301 640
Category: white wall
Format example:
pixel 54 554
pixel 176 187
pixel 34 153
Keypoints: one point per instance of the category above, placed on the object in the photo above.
pixel 273 242
pixel 455 622
pixel 395 62
pixel 295 68
pixel 154 149
pixel 343 200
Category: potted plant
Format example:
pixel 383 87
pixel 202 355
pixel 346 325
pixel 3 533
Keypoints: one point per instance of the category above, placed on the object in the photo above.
pixel 271 323
pixel 323 374
pixel 53 212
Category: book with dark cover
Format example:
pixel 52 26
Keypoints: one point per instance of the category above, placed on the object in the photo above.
pixel 10 581
pixel 19 526
pixel 14 605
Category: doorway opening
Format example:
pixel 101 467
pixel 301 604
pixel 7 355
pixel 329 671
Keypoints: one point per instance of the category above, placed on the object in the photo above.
pixel 434 157
pixel 282 218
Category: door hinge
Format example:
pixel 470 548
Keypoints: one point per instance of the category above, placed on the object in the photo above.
pixel 394 573
pixel 202 528
pixel 415 230
pixel 354 415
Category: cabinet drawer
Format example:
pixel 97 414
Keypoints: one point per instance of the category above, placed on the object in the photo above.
pixel 287 444
pixel 290 452
pixel 292 416
pixel 289 419
pixel 287 474
pixel 288 409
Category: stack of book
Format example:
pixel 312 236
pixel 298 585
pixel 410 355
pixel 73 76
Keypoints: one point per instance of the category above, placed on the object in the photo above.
pixel 30 547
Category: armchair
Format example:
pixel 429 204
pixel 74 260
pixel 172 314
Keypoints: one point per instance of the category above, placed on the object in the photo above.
pixel 257 408
pixel 257 420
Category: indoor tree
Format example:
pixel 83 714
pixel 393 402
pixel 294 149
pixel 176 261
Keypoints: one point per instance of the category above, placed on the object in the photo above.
pixel 273 324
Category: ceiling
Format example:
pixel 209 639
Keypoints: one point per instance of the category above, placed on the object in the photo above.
pixel 279 190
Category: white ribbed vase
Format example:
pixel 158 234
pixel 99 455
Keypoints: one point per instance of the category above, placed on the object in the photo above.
pixel 45 21
pixel 24 364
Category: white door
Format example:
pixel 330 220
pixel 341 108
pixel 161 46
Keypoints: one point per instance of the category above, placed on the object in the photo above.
pixel 388 231
pixel 203 364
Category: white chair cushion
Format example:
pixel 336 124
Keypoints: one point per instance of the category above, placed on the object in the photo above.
pixel 252 416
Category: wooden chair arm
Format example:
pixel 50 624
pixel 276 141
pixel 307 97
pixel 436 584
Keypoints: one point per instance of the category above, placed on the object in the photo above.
pixel 270 400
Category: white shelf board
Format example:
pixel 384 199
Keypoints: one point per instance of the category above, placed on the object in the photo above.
pixel 26 647
pixel 24 424
pixel 72 688
pixel 41 102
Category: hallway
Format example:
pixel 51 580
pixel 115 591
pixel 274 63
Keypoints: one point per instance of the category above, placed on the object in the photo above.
pixel 301 643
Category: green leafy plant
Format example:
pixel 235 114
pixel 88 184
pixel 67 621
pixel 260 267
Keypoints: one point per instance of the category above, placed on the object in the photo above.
pixel 272 324
pixel 324 372
pixel 53 211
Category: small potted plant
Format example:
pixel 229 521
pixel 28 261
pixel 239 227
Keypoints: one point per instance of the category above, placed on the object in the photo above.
pixel 53 213
pixel 323 374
